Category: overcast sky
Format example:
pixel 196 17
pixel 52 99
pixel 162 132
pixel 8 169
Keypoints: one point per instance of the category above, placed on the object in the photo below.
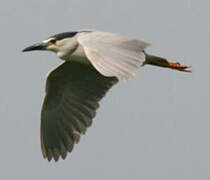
pixel 155 126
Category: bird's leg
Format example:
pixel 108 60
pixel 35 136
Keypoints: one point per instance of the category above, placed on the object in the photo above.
pixel 158 61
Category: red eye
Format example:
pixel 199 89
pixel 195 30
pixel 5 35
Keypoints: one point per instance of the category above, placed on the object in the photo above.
pixel 53 41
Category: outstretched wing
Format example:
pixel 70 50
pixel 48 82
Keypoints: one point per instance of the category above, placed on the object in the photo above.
pixel 73 91
pixel 113 55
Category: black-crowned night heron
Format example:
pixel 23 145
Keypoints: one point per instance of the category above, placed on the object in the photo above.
pixel 94 62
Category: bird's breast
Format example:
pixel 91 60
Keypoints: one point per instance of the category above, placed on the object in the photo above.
pixel 78 55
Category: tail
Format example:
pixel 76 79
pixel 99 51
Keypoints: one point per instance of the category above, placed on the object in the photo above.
pixel 159 61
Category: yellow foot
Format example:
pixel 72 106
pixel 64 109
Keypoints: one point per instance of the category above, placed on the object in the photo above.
pixel 179 67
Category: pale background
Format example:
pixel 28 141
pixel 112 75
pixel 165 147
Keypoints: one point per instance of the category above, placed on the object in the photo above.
pixel 155 126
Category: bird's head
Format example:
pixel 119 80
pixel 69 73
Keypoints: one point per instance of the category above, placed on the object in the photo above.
pixel 62 44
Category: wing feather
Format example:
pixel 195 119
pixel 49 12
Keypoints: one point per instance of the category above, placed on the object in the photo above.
pixel 73 92
pixel 113 55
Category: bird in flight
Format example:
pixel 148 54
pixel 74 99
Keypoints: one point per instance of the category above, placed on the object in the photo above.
pixel 94 61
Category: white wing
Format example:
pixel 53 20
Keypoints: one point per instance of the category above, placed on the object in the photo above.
pixel 113 55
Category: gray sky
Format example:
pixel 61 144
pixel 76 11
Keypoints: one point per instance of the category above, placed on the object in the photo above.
pixel 155 126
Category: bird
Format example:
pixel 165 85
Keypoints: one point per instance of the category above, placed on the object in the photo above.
pixel 94 61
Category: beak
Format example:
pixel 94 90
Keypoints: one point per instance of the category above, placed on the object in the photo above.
pixel 36 47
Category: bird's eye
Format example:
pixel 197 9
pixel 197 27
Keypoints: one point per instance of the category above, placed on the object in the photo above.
pixel 53 41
